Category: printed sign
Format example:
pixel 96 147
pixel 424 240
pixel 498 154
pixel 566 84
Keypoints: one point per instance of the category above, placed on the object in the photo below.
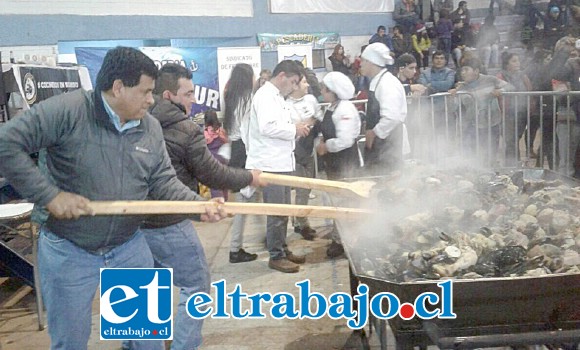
pixel 270 42
pixel 39 83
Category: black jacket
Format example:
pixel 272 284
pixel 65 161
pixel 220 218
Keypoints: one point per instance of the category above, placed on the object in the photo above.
pixel 190 157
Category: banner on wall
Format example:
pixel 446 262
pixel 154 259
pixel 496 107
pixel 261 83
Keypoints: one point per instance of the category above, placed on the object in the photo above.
pixel 37 83
pixel 201 61
pixel 270 42
pixel 330 6
pixel 228 57
pixel 301 53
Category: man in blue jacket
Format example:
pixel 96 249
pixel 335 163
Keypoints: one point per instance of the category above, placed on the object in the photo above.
pixel 101 145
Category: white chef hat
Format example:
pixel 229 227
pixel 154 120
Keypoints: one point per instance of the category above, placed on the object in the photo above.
pixel 340 84
pixel 379 54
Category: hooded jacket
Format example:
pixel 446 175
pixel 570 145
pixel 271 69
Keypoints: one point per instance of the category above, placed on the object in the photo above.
pixel 190 157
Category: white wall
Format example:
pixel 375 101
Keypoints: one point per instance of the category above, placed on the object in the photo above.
pixel 227 8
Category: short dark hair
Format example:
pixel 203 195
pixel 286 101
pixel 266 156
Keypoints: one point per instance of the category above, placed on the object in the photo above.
pixel 437 53
pixel 405 59
pixel 290 68
pixel 210 118
pixel 461 3
pixel 398 27
pixel 169 76
pixel 127 64
pixel 381 27
pixel 472 62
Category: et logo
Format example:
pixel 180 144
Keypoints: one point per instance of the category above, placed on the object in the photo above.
pixel 136 304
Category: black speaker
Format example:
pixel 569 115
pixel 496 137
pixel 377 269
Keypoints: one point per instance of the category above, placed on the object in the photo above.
pixel 3 97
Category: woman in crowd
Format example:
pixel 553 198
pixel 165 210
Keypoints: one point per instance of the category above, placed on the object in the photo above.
pixel 215 138
pixel 238 97
pixel 265 75
pixel 340 62
pixel 515 106
pixel 340 128
pixel 421 45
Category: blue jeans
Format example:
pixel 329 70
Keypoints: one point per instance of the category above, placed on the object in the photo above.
pixel 276 226
pixel 179 247
pixel 69 277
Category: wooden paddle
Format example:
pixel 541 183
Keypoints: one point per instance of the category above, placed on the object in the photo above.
pixel 198 207
pixel 361 188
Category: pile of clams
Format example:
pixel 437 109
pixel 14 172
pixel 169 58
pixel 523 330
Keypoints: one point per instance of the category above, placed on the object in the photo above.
pixel 467 224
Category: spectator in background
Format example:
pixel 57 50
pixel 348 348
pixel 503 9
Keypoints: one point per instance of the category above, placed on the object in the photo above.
pixel 406 15
pixel 307 110
pixel 437 79
pixel 487 43
pixel 340 62
pixel 568 119
pixel 481 120
pixel 265 75
pixel 421 45
pixel 215 138
pixel 238 101
pixel 439 5
pixel 381 36
pixel 554 27
pixel 401 42
pixel 361 83
pixel 516 107
pixel 443 31
pixel 459 41
pixel 462 13
pixel 406 66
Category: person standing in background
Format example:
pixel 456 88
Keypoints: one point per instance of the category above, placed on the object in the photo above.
pixel 381 36
pixel 270 144
pixel 238 101
pixel 307 110
pixel 340 62
pixel 386 135
pixel 340 128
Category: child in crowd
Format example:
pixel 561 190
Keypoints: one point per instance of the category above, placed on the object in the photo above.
pixel 215 137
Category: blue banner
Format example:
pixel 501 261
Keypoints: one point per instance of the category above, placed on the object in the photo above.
pixel 202 61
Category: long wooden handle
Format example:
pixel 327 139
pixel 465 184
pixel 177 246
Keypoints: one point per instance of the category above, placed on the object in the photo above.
pixel 199 207
pixel 305 182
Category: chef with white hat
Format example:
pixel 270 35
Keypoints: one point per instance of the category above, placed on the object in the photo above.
pixel 386 134
pixel 340 128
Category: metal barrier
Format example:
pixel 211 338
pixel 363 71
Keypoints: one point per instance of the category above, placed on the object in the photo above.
pixel 504 132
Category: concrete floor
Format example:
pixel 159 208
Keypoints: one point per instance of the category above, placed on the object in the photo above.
pixel 18 330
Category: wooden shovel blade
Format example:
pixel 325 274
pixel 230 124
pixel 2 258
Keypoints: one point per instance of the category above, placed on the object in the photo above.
pixel 360 188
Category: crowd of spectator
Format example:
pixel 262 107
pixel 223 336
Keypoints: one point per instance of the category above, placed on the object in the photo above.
pixel 460 84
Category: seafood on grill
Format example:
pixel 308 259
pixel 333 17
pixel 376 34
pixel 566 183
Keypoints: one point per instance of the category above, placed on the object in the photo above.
pixel 463 224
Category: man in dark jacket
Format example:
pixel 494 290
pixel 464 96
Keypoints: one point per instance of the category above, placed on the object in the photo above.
pixel 381 36
pixel 173 239
pixel 101 145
